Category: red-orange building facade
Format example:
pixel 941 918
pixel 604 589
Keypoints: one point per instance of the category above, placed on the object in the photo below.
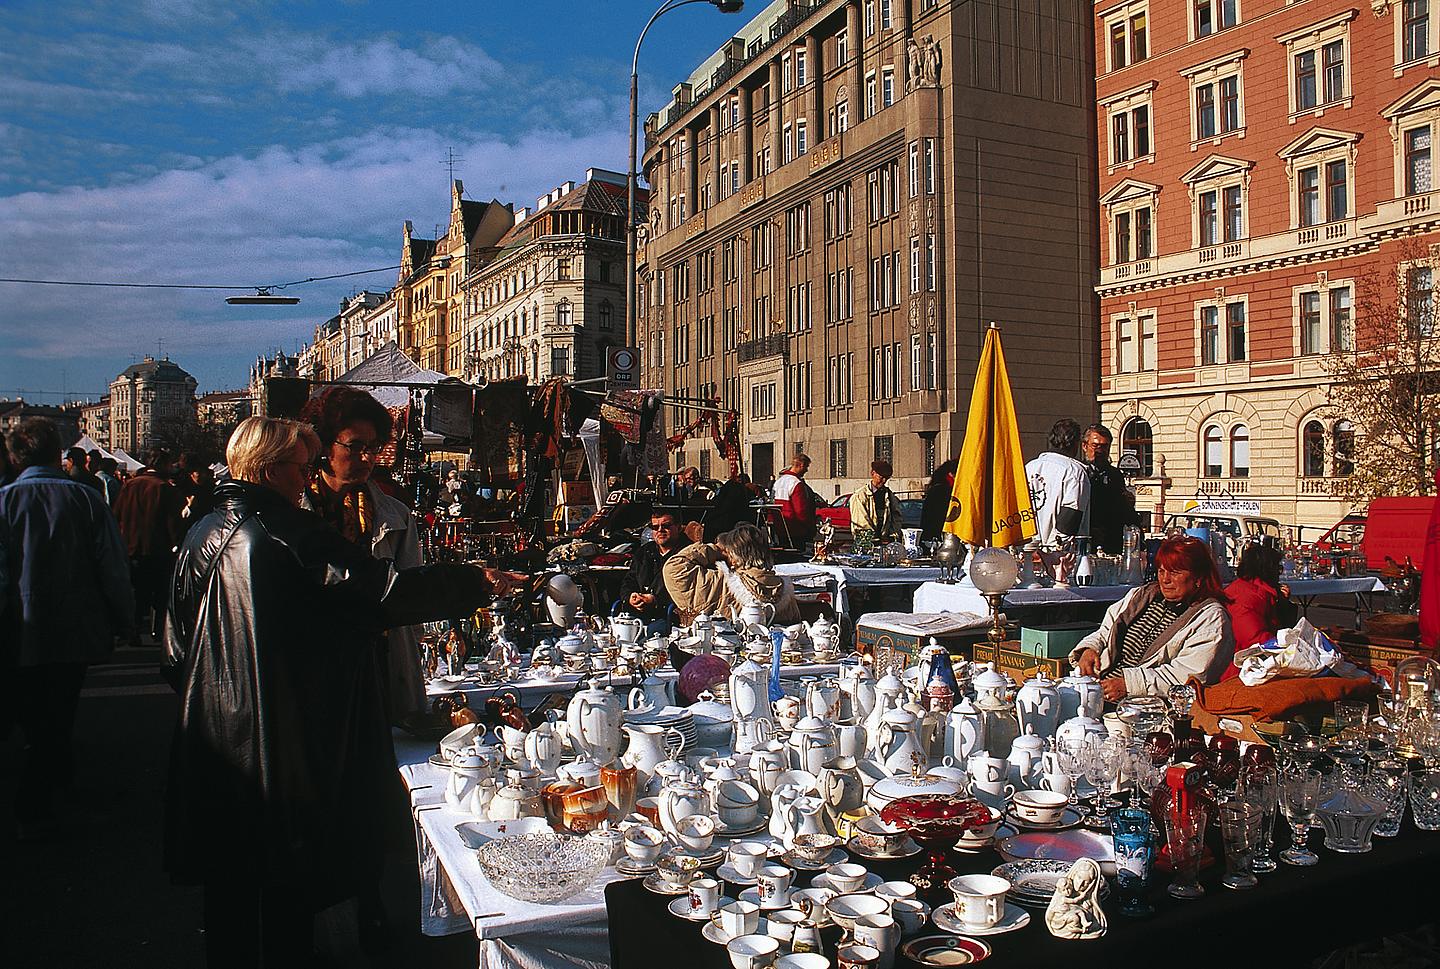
pixel 1258 160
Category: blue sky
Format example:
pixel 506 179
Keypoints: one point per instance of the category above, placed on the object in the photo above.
pixel 238 142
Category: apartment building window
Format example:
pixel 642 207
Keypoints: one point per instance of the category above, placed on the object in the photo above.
pixel 787 72
pixel 562 269
pixel 762 401
pixel 1129 38
pixel 838 212
pixel 1311 324
pixel 872 105
pixel 1319 63
pixel 887 87
pixel 1419 174
pixel 842 47
pixel 917 362
pixel 883 195
pixel 840 116
pixel 787 151
pixel 1312 450
pixel 1135 343
pixel 1130 135
pixel 802 140
pixel 837 458
pixel 1235 330
pixel 887 13
pixel 1344 448
pixel 1212 452
pixel 682 343
pixel 914 265
pixel 762 244
pixel 797 308
pixel 885 448
pixel 559 361
pixel 1138 438
pixel 801 65
pixel 914 169
pixel 1341 323
pixel 564 315
pixel 928 159
pixel 1205 111
pixel 1318 167
pixel 797 229
pixel 1233 349
pixel 734 112
pixel 1239 451
pixel 729 259
pixel 606 315
pixel 1220 201
pixel 932 359
pixel 837 295
pixel 1122 237
pixel 1208 16
pixel 1420 300
pixel 1414 26
pixel 931 267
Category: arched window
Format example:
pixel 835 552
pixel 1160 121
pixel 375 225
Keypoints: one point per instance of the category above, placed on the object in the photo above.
pixel 563 315
pixel 607 315
pixel 1137 436
pixel 1210 459
pixel 1312 450
pixel 1344 448
pixel 1239 451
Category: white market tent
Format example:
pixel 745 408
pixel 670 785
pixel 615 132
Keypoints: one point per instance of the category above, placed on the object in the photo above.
pixel 88 443
pixel 125 461
pixel 389 365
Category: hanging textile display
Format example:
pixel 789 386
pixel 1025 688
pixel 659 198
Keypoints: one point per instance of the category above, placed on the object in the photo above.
pixel 636 416
pixel 501 410
pixel 724 427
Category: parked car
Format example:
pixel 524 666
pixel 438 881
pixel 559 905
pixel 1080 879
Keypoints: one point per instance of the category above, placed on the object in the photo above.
pixel 1346 534
pixel 837 512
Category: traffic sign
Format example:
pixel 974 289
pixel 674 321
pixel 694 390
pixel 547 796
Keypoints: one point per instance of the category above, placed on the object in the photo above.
pixel 1129 463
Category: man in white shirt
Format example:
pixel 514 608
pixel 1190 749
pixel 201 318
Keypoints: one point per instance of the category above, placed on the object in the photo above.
pixel 1060 487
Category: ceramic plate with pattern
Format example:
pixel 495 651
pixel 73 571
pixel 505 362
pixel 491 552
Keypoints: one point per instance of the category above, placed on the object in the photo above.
pixel 945 950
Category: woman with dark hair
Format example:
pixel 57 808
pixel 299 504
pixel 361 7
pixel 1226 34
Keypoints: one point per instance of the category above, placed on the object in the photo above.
pixel 1163 633
pixel 353 427
pixel 1259 604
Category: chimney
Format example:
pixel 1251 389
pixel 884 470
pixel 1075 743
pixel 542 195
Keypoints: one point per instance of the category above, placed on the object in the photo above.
pixel 521 215
pixel 566 188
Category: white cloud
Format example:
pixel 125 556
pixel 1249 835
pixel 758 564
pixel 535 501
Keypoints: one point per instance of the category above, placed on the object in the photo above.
pixel 277 215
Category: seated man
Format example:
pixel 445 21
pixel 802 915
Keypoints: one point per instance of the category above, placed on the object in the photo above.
pixel 875 507
pixel 643 593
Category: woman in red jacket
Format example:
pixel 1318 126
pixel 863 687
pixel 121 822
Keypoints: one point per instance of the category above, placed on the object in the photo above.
pixel 1259 603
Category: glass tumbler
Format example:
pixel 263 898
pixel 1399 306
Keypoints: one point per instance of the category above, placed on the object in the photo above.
pixel 1389 783
pixel 1185 839
pixel 1262 789
pixel 1425 799
pixel 1351 720
pixel 1240 828
pixel 1134 850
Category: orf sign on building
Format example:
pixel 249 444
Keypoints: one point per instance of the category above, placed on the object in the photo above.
pixel 622 366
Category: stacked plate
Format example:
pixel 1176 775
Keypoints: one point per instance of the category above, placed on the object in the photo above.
pixel 1032 883
pixel 1062 846
pixel 669 716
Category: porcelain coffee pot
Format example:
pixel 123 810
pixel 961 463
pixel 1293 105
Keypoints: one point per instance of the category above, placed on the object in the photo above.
pixel 963 734
pixel 470 785
pixel 649 745
pixel 681 798
pixel 627 630
pixel 822 699
pixel 896 743
pixel 1080 696
pixel 750 692
pixel 841 786
pixel 767 762
pixel 1037 706
pixel 857 684
pixel 890 694
pixel 756 614
pixel 542 749
pixel 812 744
pixel 1026 761
pixel 594 718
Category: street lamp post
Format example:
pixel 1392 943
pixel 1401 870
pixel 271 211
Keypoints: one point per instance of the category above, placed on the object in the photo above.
pixel 724 6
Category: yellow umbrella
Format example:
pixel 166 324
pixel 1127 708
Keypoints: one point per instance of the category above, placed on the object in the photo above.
pixel 990 503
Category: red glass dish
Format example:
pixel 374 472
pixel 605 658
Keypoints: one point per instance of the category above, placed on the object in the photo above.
pixel 936 822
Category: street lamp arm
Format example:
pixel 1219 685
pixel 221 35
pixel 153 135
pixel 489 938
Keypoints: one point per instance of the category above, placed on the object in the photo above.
pixel 665 8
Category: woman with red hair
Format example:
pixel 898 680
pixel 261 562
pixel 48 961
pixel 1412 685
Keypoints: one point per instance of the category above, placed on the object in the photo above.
pixel 1163 633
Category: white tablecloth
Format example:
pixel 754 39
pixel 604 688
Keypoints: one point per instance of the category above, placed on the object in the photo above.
pixel 941 597
pixel 845 577
pixel 1310 588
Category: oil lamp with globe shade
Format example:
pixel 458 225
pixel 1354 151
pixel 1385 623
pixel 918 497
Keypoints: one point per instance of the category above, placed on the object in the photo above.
pixel 994 570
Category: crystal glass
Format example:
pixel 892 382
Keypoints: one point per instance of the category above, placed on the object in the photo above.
pixel 1262 789
pixel 1389 783
pixel 1102 766
pixel 1351 720
pixel 1182 698
pixel 1300 796
pixel 542 867
pixel 1226 752
pixel 1425 799
pixel 1240 828
pixel 1072 754
pixel 1185 839
pixel 1141 773
pixel 1348 814
pixel 1134 840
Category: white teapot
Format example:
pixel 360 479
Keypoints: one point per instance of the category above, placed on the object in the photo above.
pixel 824 634
pixel 594 718
pixel 626 629
pixel 756 614
pixel 471 783
pixel 897 744
pixel 812 744
pixel 1081 696
pixel 680 799
pixel 543 749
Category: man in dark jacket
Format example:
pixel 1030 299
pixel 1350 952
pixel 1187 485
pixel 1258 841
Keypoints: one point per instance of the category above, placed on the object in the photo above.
pixel 76 465
pixel 149 512
pixel 66 596
pixel 643 590
pixel 1112 506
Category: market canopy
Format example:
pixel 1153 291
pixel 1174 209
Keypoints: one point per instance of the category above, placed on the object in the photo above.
pixel 125 461
pixel 389 365
pixel 88 444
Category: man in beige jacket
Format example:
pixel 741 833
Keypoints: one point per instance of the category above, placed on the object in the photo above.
pixel 875 507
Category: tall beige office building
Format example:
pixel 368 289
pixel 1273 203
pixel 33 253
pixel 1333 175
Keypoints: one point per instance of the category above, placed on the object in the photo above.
pixel 843 197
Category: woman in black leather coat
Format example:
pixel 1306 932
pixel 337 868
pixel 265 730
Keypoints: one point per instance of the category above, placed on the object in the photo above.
pixel 282 757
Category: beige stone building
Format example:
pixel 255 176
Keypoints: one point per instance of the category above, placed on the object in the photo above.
pixel 844 197
pixel 95 421
pixel 147 399
pixel 550 300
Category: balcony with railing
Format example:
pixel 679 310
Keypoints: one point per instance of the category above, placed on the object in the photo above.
pixel 771 345
pixel 1224 486
pixel 1403 213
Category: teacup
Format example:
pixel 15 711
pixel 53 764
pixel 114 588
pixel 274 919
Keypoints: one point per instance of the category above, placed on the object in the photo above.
pixel 986 770
pixel 643 843
pixel 992 794
pixel 854 955
pixel 910 913
pixel 1057 782
pixel 649 808
pixel 802 960
pixel 746 857
pixel 1039 807
pixel 738 918
pixel 876 836
pixel 880 931
pixel 845 909
pixel 846 877
pixel 677 870
pixel 772 885
pixel 985 832
pixel 704 896
pixel 895 891
pixel 781 924
pixel 814 848
pixel 696 832
pixel 979 899
pixel 752 951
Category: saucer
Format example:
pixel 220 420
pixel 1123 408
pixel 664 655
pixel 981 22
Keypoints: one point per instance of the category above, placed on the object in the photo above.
pixel 629 866
pixel 835 857
pixel 907 849
pixel 945 950
pixel 722 831
pixel 680 908
pixel 1069 819
pixel 872 882
pixel 753 895
pixel 714 932
pixel 946 920
pixel 728 873
pixel 655 884
pixel 707 860
pixel 438 760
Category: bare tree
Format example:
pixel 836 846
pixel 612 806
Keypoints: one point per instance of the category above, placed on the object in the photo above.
pixel 1385 375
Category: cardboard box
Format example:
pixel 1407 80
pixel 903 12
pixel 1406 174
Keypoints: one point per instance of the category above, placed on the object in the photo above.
pixel 1373 653
pixel 1054 642
pixel 879 633
pixel 1020 665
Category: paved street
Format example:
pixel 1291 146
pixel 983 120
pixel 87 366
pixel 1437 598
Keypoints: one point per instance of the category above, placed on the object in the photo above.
pixel 98 897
